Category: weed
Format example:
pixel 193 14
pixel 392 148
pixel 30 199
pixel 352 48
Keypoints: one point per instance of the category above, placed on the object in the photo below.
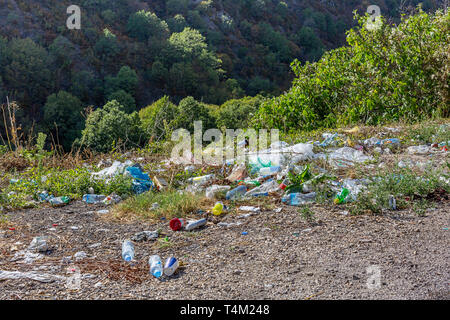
pixel 307 214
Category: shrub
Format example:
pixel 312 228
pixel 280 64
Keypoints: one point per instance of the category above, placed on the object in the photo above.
pixel 237 113
pixel 157 118
pixel 106 126
pixel 385 74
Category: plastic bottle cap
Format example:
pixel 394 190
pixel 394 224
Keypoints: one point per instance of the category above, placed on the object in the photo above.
pixel 175 224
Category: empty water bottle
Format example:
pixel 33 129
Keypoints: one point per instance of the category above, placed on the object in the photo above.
pixel 59 201
pixel 296 199
pixel 93 198
pixel 156 267
pixel 269 170
pixel 127 250
pixel 236 193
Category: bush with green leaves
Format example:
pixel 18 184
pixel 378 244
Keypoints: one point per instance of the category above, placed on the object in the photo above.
pixel 237 113
pixel 107 126
pixel 191 110
pixel 62 114
pixel 386 74
pixel 125 99
pixel 157 118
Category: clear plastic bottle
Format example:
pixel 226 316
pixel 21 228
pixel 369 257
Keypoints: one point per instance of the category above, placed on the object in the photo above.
pixel 202 179
pixel 93 198
pixel 195 224
pixel 269 170
pixel 127 250
pixel 296 199
pixel 236 192
pixel 156 267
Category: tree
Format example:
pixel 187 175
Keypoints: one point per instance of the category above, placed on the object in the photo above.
pixel 158 118
pixel 237 113
pixel 62 117
pixel 176 6
pixel 107 46
pixel 107 126
pixel 189 111
pixel 27 71
pixel 145 24
pixel 125 99
pixel 177 23
pixel 126 80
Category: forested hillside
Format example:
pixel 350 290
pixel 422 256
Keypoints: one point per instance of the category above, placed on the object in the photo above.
pixel 136 52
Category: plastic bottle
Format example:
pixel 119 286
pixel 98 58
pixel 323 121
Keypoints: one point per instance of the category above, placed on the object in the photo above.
pixel 341 197
pixel 156 268
pixel 177 224
pixel 195 224
pixel 127 250
pixel 202 179
pixel 59 201
pixel 236 193
pixel 171 266
pixel 296 199
pixel 269 170
pixel 93 198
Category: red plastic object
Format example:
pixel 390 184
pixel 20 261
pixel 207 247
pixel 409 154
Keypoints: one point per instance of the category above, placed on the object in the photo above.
pixel 176 224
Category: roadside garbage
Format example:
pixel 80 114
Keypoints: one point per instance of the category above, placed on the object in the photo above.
pixel 38 244
pixel 236 193
pixel 296 199
pixel 330 139
pixel 177 224
pixel 156 268
pixel 145 236
pixel 36 276
pixel 195 224
pixel 171 266
pixel 115 169
pixel 249 208
pixel 423 149
pixel 93 198
pixel 269 170
pixel 346 156
pixel 264 189
pixel 59 201
pixel 342 196
pixel 80 255
pixel 141 180
pixel 112 199
pixel 160 183
pixel 392 203
pixel 127 250
pixel 238 173
pixel 218 209
pixel 229 225
pixel 212 191
pixel 201 180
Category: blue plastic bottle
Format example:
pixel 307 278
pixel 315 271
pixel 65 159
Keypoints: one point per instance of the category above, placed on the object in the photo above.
pixel 236 192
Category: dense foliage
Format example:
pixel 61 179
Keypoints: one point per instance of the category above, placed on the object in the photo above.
pixel 386 74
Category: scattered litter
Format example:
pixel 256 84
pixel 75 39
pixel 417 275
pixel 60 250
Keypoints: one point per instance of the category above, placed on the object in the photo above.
pixel 41 277
pixel 127 250
pixel 145 236
pixel 171 266
pixel 38 244
pixel 80 255
pixel 156 268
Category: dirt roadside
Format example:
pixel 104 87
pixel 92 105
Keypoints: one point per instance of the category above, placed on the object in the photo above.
pixel 281 257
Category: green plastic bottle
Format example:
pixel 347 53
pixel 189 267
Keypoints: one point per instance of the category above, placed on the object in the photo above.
pixel 341 197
